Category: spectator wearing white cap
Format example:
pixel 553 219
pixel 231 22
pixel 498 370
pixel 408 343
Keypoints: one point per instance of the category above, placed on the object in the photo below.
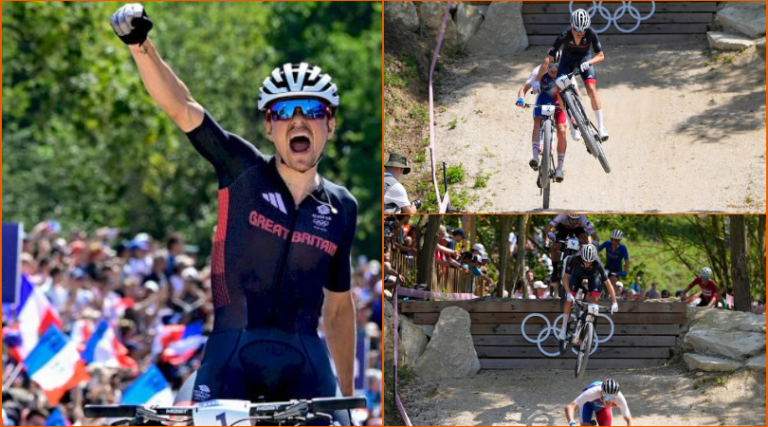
pixel 540 290
pixel 619 289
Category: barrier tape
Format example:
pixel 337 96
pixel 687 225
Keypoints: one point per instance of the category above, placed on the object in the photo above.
pixel 442 203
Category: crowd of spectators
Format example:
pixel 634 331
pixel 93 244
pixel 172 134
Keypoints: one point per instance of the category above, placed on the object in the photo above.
pixel 140 285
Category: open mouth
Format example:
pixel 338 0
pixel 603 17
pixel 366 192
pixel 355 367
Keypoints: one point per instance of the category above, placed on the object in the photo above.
pixel 300 144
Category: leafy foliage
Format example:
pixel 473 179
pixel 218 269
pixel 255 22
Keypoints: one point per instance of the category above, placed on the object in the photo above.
pixel 84 142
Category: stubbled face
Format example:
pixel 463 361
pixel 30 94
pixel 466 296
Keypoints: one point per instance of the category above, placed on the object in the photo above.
pixel 300 141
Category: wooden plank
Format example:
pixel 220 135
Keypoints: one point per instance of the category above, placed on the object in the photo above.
pixel 636 318
pixel 533 306
pixel 643 7
pixel 602 328
pixel 554 30
pixel 619 39
pixel 615 341
pixel 562 363
pixel 656 18
pixel 600 353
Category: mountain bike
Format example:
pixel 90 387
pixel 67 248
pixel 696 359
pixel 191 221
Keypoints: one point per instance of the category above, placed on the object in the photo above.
pixel 229 413
pixel 568 248
pixel 547 134
pixel 581 329
pixel 578 115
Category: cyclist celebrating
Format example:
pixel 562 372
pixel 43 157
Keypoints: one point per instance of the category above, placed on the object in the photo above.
pixel 615 253
pixel 708 294
pixel 548 96
pixel 598 399
pixel 587 267
pixel 576 41
pixel 564 226
pixel 281 254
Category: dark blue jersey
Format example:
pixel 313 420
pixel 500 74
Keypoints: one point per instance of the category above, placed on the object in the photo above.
pixel 577 269
pixel 570 48
pixel 613 258
pixel 272 258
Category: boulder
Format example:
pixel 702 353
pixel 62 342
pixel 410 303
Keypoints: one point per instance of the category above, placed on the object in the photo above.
pixel 760 45
pixel 432 13
pixel 700 318
pixel 502 32
pixel 451 351
pixel 389 309
pixel 403 12
pixel 697 362
pixel 389 340
pixel 756 363
pixel 428 329
pixel 413 342
pixel 747 18
pixel 468 20
pixel 733 345
pixel 722 41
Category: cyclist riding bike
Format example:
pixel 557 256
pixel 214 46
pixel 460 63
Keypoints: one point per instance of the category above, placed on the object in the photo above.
pixel 548 96
pixel 708 294
pixel 598 399
pixel 564 226
pixel 586 266
pixel 281 254
pixel 576 41
pixel 615 253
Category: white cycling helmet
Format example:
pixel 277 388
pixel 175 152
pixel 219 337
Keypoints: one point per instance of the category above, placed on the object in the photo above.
pixel 580 20
pixel 297 80
pixel 705 271
pixel 610 387
pixel 616 234
pixel 573 219
pixel 588 253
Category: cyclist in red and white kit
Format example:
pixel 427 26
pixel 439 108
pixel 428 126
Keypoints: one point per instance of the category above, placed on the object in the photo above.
pixel 708 287
pixel 598 399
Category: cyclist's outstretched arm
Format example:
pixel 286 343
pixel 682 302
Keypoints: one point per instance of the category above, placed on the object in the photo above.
pixel 168 91
pixel 523 90
pixel 544 67
pixel 630 421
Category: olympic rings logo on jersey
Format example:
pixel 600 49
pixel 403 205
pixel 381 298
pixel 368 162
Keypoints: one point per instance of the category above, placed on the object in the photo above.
pixel 554 329
pixel 626 7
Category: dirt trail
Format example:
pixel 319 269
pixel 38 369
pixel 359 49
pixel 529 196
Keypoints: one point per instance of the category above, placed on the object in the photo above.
pixel 687 133
pixel 656 397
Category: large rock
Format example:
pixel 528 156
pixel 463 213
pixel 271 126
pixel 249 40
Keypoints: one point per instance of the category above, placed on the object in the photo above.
pixel 722 41
pixel 733 345
pixel 747 18
pixel 697 362
pixel 413 341
pixel 428 329
pixel 432 13
pixel 760 45
pixel 389 309
pixel 502 32
pixel 389 340
pixel 724 320
pixel 403 12
pixel 757 363
pixel 451 352
pixel 468 20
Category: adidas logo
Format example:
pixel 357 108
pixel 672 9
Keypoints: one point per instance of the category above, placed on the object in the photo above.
pixel 275 200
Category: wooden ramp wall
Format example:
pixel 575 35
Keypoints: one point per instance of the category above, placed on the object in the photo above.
pixel 671 22
pixel 644 333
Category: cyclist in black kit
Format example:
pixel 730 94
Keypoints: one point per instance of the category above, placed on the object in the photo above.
pixel 585 266
pixel 576 41
pixel 281 255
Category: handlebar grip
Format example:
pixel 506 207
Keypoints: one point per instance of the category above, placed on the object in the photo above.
pixel 110 411
pixel 331 404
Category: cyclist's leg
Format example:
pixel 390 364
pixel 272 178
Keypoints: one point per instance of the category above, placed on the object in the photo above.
pixel 594 288
pixel 604 417
pixel 562 142
pixel 220 375
pixel 582 235
pixel 535 138
pixel 586 414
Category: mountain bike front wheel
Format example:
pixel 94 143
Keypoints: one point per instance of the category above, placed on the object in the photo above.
pixel 545 162
pixel 582 123
pixel 586 347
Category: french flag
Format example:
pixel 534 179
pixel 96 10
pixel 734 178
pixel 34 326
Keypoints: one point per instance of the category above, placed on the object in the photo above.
pixel 105 349
pixel 150 389
pixel 82 331
pixel 34 316
pixel 12 339
pixel 55 365
pixel 57 418
pixel 182 343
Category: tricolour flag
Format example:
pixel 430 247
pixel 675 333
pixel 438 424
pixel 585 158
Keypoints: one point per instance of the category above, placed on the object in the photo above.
pixel 149 389
pixel 55 365
pixel 180 345
pixel 105 349
pixel 34 316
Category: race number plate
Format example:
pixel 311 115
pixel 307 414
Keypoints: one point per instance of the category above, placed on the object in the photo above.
pixel 547 110
pixel 573 244
pixel 563 82
pixel 223 413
